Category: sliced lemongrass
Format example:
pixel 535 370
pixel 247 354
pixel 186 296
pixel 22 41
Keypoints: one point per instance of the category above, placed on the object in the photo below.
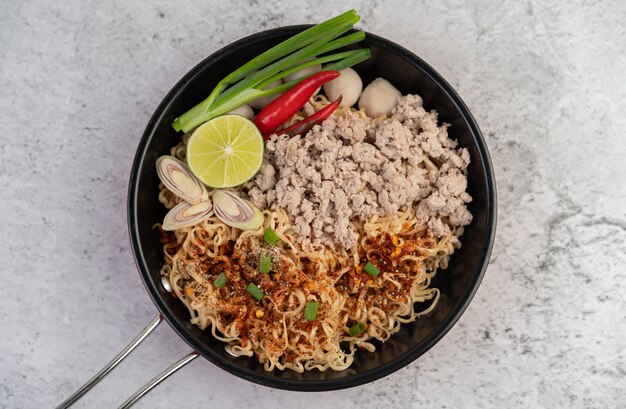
pixel 235 211
pixel 177 177
pixel 185 215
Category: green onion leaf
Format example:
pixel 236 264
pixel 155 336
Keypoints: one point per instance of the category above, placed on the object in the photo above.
pixel 310 311
pixel 220 281
pixel 344 41
pixel 265 264
pixel 254 291
pixel 307 64
pixel 245 84
pixel 371 269
pixel 307 52
pixel 292 44
pixel 271 237
pixel 348 62
pixel 357 329
pixel 298 41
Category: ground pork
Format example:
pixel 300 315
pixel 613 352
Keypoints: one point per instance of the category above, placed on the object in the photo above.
pixel 351 168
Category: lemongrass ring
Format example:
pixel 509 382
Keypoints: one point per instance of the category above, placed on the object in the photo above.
pixel 235 211
pixel 177 177
pixel 186 215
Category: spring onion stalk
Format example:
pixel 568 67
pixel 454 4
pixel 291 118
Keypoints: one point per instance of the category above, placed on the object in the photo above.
pixel 307 52
pixel 255 291
pixel 220 281
pixel 288 46
pixel 261 76
pixel 371 269
pixel 357 329
pixel 310 63
pixel 349 61
pixel 271 237
pixel 265 264
pixel 343 42
pixel 245 82
pixel 310 311
pixel 248 95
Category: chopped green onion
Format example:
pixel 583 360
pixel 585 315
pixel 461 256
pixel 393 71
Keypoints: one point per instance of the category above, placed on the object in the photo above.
pixel 220 281
pixel 310 311
pixel 271 237
pixel 357 329
pixel 371 269
pixel 265 264
pixel 254 291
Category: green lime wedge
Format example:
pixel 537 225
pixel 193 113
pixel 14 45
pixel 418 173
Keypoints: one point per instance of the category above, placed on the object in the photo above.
pixel 225 151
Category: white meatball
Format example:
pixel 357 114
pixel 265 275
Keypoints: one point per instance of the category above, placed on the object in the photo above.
pixel 379 98
pixel 348 84
pixel 306 71
pixel 244 111
pixel 261 102
pixel 303 73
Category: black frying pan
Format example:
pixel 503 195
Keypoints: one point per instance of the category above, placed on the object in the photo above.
pixel 458 283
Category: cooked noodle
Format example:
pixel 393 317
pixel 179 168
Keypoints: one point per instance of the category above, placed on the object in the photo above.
pixel 274 329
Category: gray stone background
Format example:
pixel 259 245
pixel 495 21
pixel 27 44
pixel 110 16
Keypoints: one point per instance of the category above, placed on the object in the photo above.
pixel 546 81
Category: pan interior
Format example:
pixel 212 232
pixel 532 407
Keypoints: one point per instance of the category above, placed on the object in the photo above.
pixel 458 283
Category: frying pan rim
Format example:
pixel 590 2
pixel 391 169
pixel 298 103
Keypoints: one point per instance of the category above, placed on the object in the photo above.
pixel 267 379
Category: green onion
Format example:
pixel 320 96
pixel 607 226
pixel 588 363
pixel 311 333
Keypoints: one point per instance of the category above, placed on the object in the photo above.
pixel 350 61
pixel 371 269
pixel 271 237
pixel 220 281
pixel 247 81
pixel 307 64
pixel 254 291
pixel 290 45
pixel 309 51
pixel 310 311
pixel 265 264
pixel 227 101
pixel 357 329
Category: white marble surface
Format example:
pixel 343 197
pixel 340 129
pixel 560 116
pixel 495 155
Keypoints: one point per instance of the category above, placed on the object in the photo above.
pixel 547 84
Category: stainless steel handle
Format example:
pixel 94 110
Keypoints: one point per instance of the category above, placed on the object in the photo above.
pixel 158 379
pixel 112 364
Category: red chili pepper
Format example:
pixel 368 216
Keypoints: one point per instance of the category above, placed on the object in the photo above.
pixel 304 126
pixel 287 105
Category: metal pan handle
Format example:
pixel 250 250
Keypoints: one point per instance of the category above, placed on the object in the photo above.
pixel 119 358
pixel 158 379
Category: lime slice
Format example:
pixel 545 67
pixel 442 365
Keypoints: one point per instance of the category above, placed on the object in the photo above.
pixel 226 151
